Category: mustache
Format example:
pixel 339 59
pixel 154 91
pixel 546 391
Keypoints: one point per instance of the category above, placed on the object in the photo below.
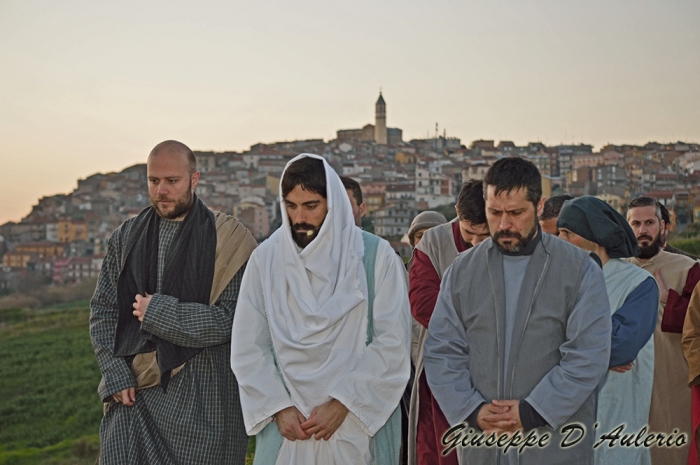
pixel 306 226
pixel 645 236
pixel 507 234
pixel 309 229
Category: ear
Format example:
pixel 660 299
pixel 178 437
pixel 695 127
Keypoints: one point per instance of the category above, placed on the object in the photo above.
pixel 540 206
pixel 363 209
pixel 195 179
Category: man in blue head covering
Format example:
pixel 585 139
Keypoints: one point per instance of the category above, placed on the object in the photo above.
pixel 624 395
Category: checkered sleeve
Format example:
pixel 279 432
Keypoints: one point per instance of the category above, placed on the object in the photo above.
pixel 191 324
pixel 116 374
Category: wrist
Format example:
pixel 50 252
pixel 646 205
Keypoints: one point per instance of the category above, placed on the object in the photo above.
pixel 340 405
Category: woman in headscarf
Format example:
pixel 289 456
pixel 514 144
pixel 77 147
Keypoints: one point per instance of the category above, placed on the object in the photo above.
pixel 624 395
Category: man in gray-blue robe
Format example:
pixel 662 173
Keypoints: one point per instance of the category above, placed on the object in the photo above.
pixel 520 336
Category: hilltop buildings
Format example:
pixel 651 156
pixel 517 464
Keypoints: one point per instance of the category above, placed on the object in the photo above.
pixel 64 237
pixel 378 132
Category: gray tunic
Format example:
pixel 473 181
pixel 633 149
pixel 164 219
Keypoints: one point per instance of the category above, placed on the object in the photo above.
pixel 199 419
pixel 559 347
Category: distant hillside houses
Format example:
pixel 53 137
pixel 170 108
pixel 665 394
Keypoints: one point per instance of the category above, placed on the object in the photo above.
pixel 64 237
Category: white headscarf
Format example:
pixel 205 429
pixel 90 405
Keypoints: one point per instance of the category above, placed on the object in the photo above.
pixel 316 299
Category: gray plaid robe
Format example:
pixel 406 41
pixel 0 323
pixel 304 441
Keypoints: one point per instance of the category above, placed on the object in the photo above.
pixel 199 419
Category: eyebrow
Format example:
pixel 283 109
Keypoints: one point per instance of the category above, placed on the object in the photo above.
pixel 515 210
pixel 308 203
pixel 469 231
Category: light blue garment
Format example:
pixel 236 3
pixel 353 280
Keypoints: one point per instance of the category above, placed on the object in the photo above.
pixel 385 446
pixel 514 270
pixel 625 398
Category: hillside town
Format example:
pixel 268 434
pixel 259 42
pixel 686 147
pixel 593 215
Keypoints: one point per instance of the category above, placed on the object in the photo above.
pixel 64 238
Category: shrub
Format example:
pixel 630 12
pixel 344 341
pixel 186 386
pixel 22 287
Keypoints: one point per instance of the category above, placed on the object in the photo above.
pixel 692 246
pixel 49 295
pixel 19 301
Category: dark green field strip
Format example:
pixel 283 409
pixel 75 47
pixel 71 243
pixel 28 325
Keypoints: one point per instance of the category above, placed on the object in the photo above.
pixel 48 380
pixel 49 408
pixel 82 451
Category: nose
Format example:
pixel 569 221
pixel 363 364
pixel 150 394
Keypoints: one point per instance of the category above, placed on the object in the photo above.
pixel 162 189
pixel 505 223
pixel 299 216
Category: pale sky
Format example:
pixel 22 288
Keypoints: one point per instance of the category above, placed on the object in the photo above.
pixel 90 86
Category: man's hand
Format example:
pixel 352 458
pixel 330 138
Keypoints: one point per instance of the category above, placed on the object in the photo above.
pixel 500 416
pixel 622 368
pixel 141 305
pixel 663 290
pixel 289 421
pixel 126 397
pixel 325 420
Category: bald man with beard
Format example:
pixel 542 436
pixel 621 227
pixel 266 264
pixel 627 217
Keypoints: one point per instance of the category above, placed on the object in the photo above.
pixel 160 323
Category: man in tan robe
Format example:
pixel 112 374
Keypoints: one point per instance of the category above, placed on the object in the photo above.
pixel 676 275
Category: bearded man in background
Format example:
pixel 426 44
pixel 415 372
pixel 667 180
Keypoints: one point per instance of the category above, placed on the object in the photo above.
pixel 676 276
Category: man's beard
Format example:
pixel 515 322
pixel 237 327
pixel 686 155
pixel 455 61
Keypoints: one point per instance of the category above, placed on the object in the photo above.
pixel 517 246
pixel 182 206
pixel 303 239
pixel 649 251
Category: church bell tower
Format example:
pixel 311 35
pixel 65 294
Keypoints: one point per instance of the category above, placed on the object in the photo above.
pixel 380 120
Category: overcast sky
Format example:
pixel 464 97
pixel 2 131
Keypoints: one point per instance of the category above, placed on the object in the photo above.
pixel 90 86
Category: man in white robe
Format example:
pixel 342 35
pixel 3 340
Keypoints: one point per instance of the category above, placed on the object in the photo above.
pixel 301 350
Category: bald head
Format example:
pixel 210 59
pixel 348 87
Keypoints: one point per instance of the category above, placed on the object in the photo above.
pixel 172 176
pixel 175 148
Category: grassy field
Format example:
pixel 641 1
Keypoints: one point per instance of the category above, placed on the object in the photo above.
pixel 49 408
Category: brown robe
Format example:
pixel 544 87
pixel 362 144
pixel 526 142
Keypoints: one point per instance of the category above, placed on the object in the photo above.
pixel 691 338
pixel 670 397
pixel 691 349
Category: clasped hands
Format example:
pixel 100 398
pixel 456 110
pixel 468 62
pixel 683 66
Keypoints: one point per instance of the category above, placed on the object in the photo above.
pixel 500 416
pixel 321 424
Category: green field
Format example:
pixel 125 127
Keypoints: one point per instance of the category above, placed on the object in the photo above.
pixel 49 408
